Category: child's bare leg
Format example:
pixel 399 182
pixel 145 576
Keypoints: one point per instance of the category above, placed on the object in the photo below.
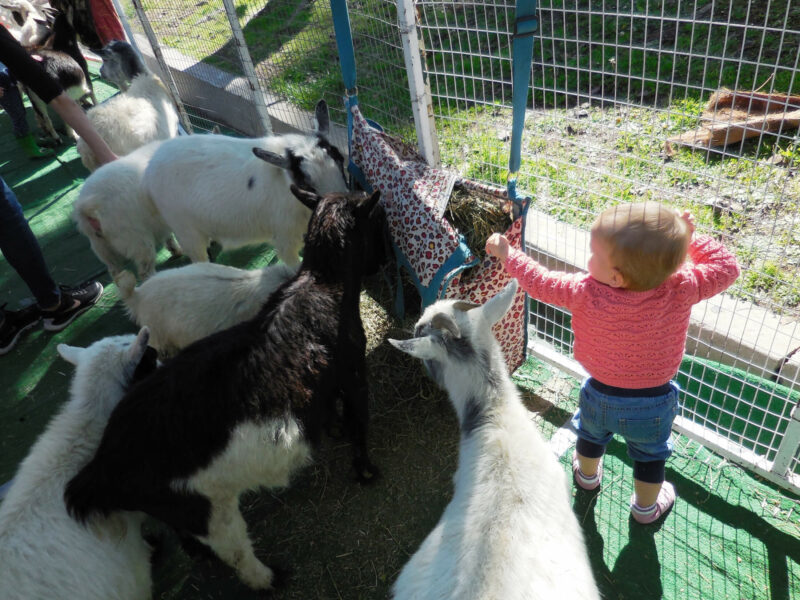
pixel 653 496
pixel 646 493
pixel 589 465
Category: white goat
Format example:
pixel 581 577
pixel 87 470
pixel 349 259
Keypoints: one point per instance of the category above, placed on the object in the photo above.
pixel 509 532
pixel 117 216
pixel 236 191
pixel 131 119
pixel 180 306
pixel 44 553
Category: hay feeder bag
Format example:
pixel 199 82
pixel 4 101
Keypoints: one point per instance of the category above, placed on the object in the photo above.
pixel 415 197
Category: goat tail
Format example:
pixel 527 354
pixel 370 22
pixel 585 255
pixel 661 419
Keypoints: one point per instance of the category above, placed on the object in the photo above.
pixel 89 493
pixel 126 282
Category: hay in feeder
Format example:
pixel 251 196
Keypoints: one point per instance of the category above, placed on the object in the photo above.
pixel 477 215
pixel 731 116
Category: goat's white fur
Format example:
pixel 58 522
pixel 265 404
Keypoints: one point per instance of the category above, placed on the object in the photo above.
pixel 116 214
pixel 44 553
pixel 180 306
pixel 140 115
pixel 212 187
pixel 509 532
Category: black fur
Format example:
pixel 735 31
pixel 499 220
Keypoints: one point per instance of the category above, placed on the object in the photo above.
pixel 65 39
pixel 296 171
pixel 333 152
pixel 303 351
pixel 147 364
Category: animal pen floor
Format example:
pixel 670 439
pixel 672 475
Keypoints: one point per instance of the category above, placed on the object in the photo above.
pixel 729 535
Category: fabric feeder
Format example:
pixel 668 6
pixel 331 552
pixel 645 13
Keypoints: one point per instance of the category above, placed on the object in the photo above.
pixel 436 256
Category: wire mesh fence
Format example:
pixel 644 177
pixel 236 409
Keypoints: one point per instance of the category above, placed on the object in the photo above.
pixel 692 103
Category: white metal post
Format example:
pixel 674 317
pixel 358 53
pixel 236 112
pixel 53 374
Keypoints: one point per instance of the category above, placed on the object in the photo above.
pixel 421 103
pixel 247 64
pixel 125 25
pixel 173 89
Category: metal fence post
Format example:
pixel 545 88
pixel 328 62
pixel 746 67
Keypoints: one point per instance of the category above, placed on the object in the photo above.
pixel 421 103
pixel 247 64
pixel 173 90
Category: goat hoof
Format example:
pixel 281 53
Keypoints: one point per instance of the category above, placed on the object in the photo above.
pixel 366 472
pixel 280 575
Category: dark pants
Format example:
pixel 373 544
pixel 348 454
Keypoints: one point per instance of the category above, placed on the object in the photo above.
pixel 22 251
pixel 12 102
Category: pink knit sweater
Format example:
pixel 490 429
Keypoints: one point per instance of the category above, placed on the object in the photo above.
pixel 624 338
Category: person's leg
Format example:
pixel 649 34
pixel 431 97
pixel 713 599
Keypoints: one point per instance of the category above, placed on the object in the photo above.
pixel 22 251
pixel 649 445
pixel 11 101
pixel 593 436
pixel 647 480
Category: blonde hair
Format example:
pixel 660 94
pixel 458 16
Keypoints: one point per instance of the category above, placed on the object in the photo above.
pixel 647 242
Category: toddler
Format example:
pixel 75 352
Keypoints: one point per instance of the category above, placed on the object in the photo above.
pixel 630 317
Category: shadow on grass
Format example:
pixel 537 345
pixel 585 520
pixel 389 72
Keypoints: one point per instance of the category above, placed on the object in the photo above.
pixel 637 570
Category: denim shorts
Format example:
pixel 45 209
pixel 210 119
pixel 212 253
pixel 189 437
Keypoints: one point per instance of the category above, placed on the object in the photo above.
pixel 644 422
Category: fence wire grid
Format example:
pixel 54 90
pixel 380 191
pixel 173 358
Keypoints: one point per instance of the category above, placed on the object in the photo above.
pixel 695 104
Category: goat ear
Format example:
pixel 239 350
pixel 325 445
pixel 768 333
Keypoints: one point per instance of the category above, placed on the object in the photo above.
pixel 464 306
pixel 309 199
pixel 322 118
pixel 446 323
pixel 422 348
pixel 367 206
pixel 71 354
pixel 499 304
pixel 272 158
pixel 139 346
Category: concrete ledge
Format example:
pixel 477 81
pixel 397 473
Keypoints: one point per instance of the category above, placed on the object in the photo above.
pixel 227 98
pixel 723 329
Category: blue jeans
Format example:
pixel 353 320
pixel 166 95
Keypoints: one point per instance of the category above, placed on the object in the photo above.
pixel 22 251
pixel 12 102
pixel 645 422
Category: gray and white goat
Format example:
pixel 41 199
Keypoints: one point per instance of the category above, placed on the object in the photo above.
pixel 509 532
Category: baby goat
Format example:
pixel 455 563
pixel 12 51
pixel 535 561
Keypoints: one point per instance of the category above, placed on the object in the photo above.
pixel 242 408
pixel 181 306
pixel 45 554
pixel 509 532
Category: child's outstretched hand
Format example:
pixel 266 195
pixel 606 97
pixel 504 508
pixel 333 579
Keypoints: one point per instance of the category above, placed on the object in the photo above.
pixel 689 218
pixel 497 245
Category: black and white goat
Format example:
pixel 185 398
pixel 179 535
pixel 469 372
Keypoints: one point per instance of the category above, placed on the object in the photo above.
pixel 509 532
pixel 242 408
pixel 45 554
pixel 236 190
pixel 56 48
